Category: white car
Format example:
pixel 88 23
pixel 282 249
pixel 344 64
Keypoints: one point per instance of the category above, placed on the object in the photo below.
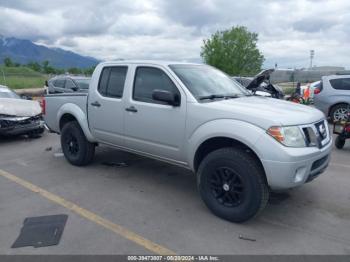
pixel 19 116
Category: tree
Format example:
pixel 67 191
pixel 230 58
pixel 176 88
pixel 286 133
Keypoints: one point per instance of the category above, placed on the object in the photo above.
pixel 89 71
pixel 8 62
pixel 234 51
pixel 74 71
pixel 47 69
pixel 35 66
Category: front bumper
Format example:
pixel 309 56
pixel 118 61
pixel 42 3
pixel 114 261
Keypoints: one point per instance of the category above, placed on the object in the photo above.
pixel 21 127
pixel 292 167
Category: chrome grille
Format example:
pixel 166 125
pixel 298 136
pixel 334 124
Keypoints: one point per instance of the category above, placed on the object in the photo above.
pixel 317 134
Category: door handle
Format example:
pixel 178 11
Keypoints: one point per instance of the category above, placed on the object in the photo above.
pixel 131 109
pixel 96 104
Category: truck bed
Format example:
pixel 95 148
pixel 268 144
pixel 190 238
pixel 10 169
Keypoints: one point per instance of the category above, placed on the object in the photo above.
pixel 54 102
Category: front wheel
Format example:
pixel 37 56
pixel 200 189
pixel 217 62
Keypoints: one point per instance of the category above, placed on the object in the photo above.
pixel 76 148
pixel 339 142
pixel 232 184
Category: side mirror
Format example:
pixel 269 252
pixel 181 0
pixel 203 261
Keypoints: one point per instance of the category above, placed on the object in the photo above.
pixel 74 88
pixel 46 83
pixel 166 96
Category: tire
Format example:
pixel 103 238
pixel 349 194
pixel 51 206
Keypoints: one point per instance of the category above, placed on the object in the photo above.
pixel 76 148
pixel 339 142
pixel 243 176
pixel 339 112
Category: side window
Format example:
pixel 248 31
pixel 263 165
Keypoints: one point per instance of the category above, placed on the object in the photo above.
pixel 112 81
pixel 340 83
pixel 69 84
pixel 147 79
pixel 59 83
pixel 102 86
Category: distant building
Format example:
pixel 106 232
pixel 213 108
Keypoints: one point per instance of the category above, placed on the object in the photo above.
pixel 328 68
pixel 305 75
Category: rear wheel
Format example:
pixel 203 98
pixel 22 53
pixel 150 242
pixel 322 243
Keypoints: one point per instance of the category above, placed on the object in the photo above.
pixel 232 184
pixel 339 142
pixel 76 148
pixel 339 113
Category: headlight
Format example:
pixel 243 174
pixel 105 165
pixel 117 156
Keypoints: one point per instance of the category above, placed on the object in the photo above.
pixel 288 135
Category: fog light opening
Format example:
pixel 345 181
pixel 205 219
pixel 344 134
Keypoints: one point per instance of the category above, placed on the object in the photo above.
pixel 299 174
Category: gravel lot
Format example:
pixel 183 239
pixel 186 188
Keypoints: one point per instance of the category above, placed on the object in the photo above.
pixel 160 203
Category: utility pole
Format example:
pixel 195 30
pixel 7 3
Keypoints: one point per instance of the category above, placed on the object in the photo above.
pixel 312 55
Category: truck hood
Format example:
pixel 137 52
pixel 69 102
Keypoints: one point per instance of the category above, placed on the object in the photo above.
pixel 19 107
pixel 266 112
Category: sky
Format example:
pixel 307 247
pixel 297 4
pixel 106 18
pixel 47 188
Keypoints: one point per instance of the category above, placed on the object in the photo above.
pixel 175 29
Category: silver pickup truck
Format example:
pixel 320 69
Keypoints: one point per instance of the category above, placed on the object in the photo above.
pixel 239 145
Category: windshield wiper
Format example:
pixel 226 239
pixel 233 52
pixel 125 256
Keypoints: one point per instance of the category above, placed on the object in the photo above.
pixel 218 96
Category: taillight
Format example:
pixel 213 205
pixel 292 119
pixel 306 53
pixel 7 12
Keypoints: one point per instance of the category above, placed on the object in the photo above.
pixel 43 106
pixel 317 91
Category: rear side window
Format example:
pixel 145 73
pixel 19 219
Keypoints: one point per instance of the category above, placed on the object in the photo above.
pixel 69 84
pixel 112 81
pixel 340 83
pixel 59 83
pixel 147 79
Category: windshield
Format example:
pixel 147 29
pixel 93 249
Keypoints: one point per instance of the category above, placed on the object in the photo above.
pixel 205 81
pixel 4 93
pixel 82 83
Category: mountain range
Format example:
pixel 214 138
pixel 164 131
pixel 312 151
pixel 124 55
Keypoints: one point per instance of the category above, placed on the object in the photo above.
pixel 24 51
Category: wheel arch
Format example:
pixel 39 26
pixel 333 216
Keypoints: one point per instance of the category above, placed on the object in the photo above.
pixel 71 112
pixel 334 105
pixel 216 143
pixel 233 133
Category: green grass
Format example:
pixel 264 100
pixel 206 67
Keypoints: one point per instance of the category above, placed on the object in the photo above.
pixel 21 77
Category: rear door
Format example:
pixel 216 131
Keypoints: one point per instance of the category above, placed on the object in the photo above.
pixel 105 108
pixel 153 127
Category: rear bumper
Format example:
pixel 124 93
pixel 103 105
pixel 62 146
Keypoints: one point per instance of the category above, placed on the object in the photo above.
pixel 292 167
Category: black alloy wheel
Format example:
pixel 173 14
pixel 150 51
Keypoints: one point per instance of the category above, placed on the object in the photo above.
pixel 227 187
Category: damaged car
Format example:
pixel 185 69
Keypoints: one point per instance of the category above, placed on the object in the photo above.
pixel 19 116
pixel 260 84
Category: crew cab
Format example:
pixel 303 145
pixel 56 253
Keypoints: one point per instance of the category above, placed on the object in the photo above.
pixel 240 146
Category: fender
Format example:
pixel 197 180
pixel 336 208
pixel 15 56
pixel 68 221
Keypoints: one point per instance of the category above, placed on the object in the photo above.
pixel 79 115
pixel 241 131
pixel 336 100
